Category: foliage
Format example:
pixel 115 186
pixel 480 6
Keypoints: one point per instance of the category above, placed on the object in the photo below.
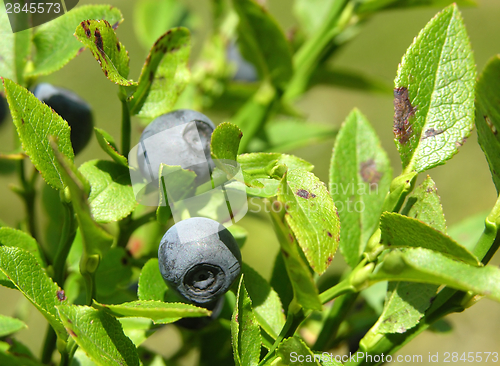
pixel 102 299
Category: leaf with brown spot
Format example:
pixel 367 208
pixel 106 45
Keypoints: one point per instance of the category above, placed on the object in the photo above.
pixel 311 212
pixel 55 43
pixel 164 75
pixel 434 96
pixel 360 176
pixel 102 42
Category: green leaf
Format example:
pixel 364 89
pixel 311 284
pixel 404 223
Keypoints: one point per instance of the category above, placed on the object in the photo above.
pixel 405 305
pixel 402 231
pixel 23 269
pixel 153 18
pixel 55 42
pixel 152 286
pixel 100 335
pixel 100 38
pixel 225 142
pixel 17 238
pixel 424 204
pixel 406 302
pixel 114 272
pixel 488 116
pixel 263 42
pixel 369 6
pixel 305 291
pixel 434 95
pixel 360 177
pixel 137 329
pixel 280 282
pixel 10 325
pixel 160 312
pixel 311 214
pixel 260 165
pixel 164 75
pixel 15 50
pixel 107 143
pixel 111 196
pixel 285 135
pixel 424 265
pixel 245 330
pixel 265 302
pixel 35 122
pixel 151 283
pixel 294 351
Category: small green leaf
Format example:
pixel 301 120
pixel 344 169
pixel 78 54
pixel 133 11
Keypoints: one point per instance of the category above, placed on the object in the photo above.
pixel 280 282
pixel 239 234
pixel 151 283
pixel 427 266
pixel 305 291
pixel 137 329
pixel 263 42
pixel 164 75
pixel 17 238
pixel 114 272
pixel 402 231
pixel 312 215
pixel 225 141
pixel 245 330
pixel 152 286
pixel 35 122
pixel 100 335
pixel 260 165
pixel 55 42
pixel 360 176
pixel 434 95
pixel 405 305
pixel 488 116
pixel 23 269
pixel 100 38
pixel 111 196
pixel 10 325
pixel 286 135
pixel 265 302
pixel 12 359
pixel 107 143
pixel 160 312
pixel 424 204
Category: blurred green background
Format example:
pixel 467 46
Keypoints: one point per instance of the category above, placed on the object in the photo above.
pixel 464 183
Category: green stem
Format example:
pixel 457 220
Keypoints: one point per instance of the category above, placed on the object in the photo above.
pixel 337 314
pixel 126 127
pixel 339 289
pixel 67 236
pixel 309 55
pixel 295 317
pixel 49 345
